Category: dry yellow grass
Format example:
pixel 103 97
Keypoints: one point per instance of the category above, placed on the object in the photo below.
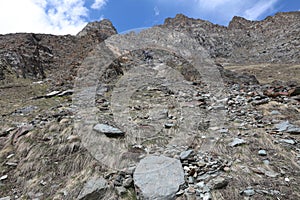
pixel 266 73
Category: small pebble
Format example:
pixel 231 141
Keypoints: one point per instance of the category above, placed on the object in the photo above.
pixel 3 177
pixel 121 190
pixel 207 196
pixel 248 192
pixel 10 155
pixel 185 154
pixel 286 179
pixel 226 169
pixel 191 190
pixel 262 152
pixel 191 180
pixel 266 162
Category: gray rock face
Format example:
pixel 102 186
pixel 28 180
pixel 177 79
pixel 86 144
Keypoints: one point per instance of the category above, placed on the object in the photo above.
pixel 158 177
pixel 102 29
pixel 243 40
pixel 93 189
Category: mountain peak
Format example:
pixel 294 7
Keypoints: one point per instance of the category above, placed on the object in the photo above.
pixel 102 29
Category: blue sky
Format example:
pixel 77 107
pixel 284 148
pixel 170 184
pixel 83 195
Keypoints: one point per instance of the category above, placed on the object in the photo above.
pixel 70 16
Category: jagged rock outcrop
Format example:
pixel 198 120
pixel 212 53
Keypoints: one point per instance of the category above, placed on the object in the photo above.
pixel 101 30
pixel 274 39
pixel 31 55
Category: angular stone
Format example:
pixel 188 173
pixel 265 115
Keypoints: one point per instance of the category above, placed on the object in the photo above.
pixel 218 183
pixel 237 142
pixel 275 112
pixel 4 177
pixel 13 164
pixel 5 198
pixel 185 154
pixel 109 131
pixel 66 93
pixel 127 182
pixel 207 196
pixel 288 141
pixel 293 130
pixel 169 125
pixel 286 126
pixel 158 177
pixel 282 126
pixel 248 192
pixel 260 102
pixel 200 184
pixel 294 91
pixel 271 174
pixel 26 110
pixel 93 189
pixel 121 190
pixel 52 94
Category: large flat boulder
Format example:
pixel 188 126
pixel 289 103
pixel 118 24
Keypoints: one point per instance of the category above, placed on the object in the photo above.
pixel 158 177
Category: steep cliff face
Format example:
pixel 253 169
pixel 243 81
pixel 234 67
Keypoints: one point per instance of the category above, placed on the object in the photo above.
pixel 39 56
pixel 273 40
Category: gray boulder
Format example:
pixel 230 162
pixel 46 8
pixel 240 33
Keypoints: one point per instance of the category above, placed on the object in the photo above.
pixel 93 189
pixel 158 177
pixel 108 130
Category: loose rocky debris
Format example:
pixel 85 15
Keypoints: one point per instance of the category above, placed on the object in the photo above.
pixel 256 152
pixel 204 173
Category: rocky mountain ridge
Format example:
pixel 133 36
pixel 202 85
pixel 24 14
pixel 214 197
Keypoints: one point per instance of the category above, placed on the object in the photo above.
pixel 169 113
pixel 274 39
pixel 38 56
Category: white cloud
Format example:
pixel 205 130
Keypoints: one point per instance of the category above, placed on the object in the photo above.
pixel 156 11
pixel 66 14
pixel 258 9
pixel 98 4
pixel 212 4
pixel 222 11
pixel 43 16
